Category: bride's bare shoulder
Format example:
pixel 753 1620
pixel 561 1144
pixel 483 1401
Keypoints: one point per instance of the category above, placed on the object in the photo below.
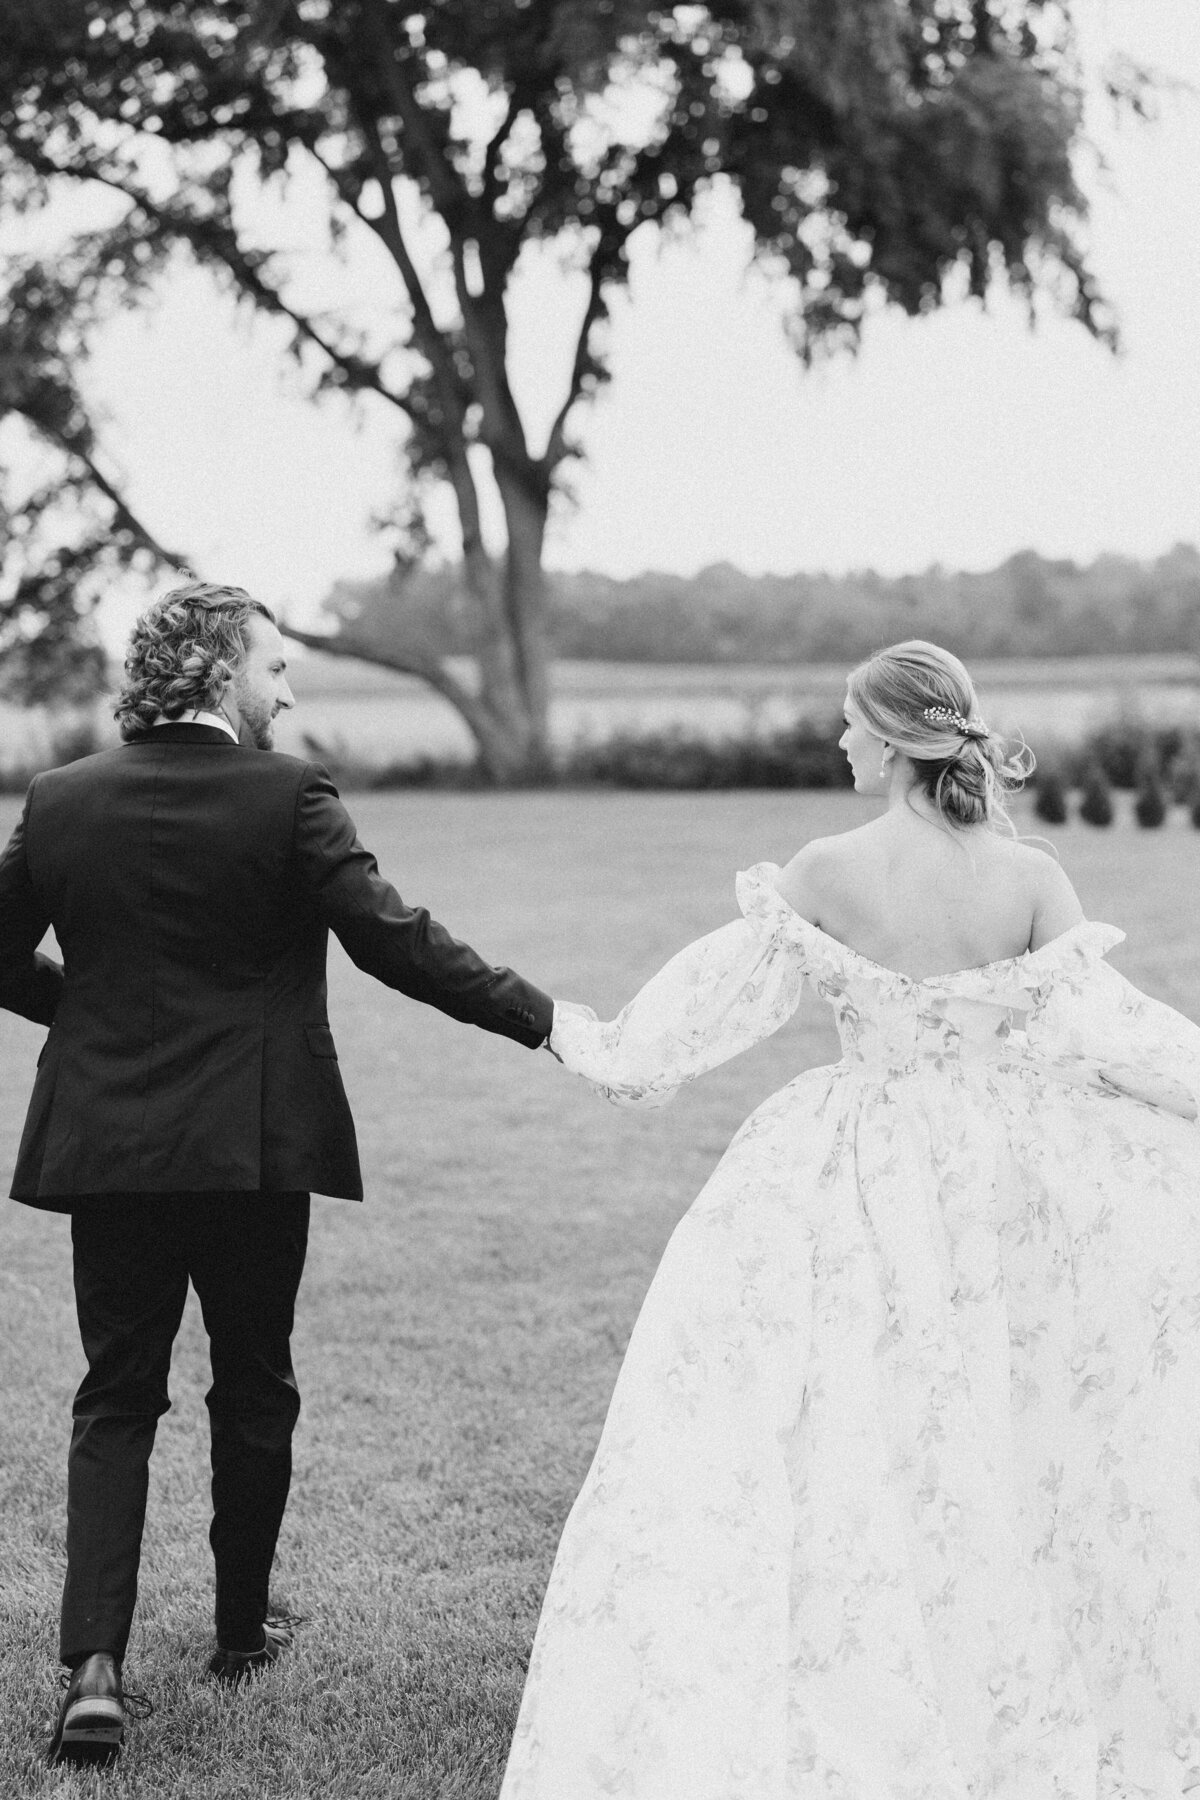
pixel 1040 869
pixel 820 867
pixel 1055 904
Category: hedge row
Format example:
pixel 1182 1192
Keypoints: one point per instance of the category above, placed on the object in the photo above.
pixel 803 755
pixel 1151 808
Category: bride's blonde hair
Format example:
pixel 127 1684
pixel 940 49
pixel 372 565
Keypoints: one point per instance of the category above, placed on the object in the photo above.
pixel 919 699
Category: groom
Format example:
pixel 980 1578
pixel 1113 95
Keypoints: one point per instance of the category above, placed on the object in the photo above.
pixel 188 1097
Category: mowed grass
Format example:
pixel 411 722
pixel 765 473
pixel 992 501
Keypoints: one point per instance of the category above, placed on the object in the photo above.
pixel 458 1334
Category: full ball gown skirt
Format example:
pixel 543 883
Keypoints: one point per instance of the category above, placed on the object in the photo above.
pixel 898 1497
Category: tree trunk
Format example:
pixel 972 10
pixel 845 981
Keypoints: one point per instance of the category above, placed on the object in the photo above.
pixel 507 708
pixel 507 753
pixel 523 597
pixel 509 717
pixel 501 725
pixel 507 711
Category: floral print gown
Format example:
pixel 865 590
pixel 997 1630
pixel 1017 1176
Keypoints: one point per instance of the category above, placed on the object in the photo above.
pixel 898 1496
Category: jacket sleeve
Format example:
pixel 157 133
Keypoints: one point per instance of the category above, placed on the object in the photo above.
pixel 30 983
pixel 398 944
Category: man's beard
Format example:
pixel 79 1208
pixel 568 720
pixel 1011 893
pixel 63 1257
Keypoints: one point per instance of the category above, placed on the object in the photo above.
pixel 262 732
pixel 258 718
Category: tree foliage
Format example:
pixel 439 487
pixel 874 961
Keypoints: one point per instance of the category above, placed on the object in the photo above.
pixel 67 529
pixel 882 151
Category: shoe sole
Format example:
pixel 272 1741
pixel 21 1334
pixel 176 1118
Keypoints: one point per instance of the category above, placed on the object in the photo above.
pixel 93 1731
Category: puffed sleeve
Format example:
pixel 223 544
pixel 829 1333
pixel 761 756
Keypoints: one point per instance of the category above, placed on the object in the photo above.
pixel 713 999
pixel 1084 1013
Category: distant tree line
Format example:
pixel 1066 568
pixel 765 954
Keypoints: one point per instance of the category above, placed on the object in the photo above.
pixel 1029 606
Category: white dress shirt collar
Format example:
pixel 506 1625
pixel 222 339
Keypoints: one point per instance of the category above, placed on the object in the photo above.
pixel 200 718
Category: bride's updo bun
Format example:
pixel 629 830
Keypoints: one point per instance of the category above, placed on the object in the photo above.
pixel 919 699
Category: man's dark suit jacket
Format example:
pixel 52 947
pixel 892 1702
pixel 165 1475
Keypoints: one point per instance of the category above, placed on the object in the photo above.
pixel 192 885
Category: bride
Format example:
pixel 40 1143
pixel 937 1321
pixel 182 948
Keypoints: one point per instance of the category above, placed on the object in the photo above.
pixel 898 1497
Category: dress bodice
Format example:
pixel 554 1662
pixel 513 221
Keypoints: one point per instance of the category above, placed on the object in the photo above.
pixel 903 1032
pixel 892 1023
pixel 1056 1012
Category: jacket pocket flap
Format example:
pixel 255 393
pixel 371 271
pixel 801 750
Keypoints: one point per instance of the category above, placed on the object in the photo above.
pixel 320 1041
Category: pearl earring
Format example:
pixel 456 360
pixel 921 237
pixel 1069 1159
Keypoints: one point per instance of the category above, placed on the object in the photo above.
pixel 883 767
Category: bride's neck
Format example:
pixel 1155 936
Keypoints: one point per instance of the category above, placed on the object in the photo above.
pixel 908 800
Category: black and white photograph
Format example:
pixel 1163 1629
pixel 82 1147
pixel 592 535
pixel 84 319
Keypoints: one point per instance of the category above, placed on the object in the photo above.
pixel 599 923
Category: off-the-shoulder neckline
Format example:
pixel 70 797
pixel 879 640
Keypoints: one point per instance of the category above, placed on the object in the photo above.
pixel 1024 959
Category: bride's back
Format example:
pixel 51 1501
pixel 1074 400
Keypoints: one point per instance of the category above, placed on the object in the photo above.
pixel 920 898
pixel 930 887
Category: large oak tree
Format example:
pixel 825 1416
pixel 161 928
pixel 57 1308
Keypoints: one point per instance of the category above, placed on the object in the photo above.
pixel 881 151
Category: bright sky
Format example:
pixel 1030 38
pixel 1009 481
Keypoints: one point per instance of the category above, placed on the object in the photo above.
pixel 955 440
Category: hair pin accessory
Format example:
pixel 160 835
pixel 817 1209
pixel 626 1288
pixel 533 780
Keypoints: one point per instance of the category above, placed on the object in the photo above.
pixel 946 715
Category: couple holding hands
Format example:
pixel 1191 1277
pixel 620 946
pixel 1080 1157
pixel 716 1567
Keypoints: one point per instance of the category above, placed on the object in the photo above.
pixel 898 1492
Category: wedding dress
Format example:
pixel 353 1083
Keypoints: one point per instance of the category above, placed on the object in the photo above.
pixel 898 1497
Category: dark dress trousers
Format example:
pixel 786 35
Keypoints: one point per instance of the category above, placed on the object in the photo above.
pixel 187 1102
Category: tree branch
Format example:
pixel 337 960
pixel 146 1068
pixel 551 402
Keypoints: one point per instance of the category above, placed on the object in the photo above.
pixel 76 445
pixel 596 309
pixel 126 517
pixel 484 320
pixel 387 228
pixel 495 658
pixel 491 155
pixel 446 187
pixel 433 343
pixel 210 238
pixel 390 233
pixel 430 669
pixel 460 212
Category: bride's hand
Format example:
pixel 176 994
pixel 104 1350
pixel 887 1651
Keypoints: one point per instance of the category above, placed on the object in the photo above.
pixel 563 1011
pixel 574 1009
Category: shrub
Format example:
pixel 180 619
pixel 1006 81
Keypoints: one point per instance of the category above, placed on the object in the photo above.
pixel 1096 807
pixel 1050 803
pixel 804 755
pixel 1150 807
pixel 1123 750
pixel 356 775
pixel 1183 773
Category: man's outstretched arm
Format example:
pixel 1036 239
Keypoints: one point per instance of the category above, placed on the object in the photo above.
pixel 30 983
pixel 399 944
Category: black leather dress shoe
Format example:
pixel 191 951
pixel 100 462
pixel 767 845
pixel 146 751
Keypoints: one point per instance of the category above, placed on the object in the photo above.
pixel 91 1719
pixel 279 1634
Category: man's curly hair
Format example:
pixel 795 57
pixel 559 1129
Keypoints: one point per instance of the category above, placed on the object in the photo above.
pixel 183 652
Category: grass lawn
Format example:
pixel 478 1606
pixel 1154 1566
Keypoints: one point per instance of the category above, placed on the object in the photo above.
pixel 459 1333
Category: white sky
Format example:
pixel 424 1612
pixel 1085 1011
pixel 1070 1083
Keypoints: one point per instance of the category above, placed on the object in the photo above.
pixel 956 439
